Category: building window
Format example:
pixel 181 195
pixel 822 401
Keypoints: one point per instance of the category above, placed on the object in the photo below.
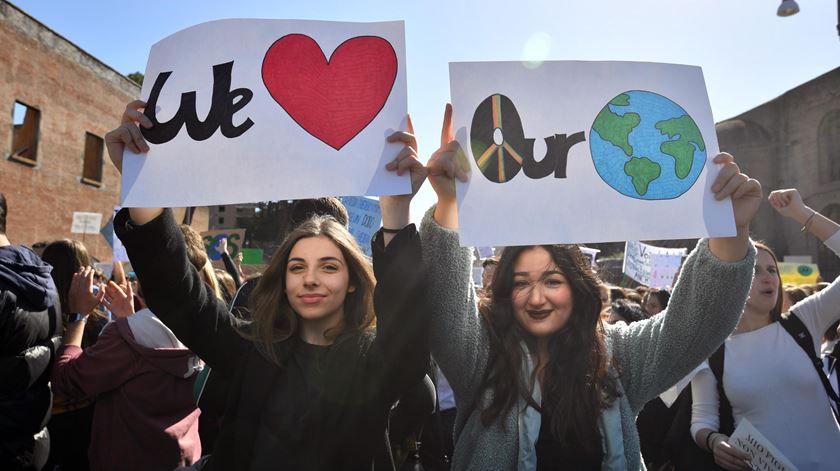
pixel 829 147
pixel 25 121
pixel 221 220
pixel 221 209
pixel 92 171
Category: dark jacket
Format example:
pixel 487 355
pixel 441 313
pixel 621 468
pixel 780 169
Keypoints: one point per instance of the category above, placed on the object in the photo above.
pixel 29 324
pixel 365 373
pixel 145 418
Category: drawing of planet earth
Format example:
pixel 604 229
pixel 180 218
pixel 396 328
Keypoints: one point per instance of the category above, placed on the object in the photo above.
pixel 645 146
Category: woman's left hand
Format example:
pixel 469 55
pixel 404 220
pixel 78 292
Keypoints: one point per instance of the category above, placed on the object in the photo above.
pixel 746 196
pixel 745 191
pixel 119 300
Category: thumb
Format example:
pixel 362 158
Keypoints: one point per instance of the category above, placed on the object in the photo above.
pixel 410 125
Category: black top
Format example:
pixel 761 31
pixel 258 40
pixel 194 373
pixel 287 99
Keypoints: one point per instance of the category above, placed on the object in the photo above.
pixel 553 455
pixel 284 435
pixel 363 373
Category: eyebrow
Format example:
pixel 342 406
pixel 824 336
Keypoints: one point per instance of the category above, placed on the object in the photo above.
pixel 545 273
pixel 322 259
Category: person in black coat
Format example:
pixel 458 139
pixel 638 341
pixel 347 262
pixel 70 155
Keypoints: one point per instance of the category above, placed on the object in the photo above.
pixel 29 323
pixel 315 373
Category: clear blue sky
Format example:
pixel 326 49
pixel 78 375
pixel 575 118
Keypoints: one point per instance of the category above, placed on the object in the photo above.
pixel 749 55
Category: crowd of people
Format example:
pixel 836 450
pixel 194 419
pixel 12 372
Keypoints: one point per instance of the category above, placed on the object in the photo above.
pixel 332 360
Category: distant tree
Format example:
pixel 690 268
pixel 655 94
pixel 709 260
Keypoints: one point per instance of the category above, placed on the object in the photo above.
pixel 137 77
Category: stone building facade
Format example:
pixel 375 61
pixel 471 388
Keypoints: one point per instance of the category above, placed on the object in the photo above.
pixel 793 141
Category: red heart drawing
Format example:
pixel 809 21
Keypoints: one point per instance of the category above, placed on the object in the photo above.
pixel 335 99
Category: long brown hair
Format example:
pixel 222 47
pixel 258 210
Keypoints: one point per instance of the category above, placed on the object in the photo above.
pixel 66 256
pixel 577 385
pixel 274 321
pixel 776 313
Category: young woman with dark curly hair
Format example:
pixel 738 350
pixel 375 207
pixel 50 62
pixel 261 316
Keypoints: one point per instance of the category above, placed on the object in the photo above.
pixel 541 382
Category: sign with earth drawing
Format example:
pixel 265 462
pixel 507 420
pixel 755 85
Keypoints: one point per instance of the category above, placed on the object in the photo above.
pixel 573 151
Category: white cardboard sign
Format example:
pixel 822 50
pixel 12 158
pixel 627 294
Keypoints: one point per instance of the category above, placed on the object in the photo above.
pixel 765 455
pixel 118 249
pixel 651 266
pixel 86 223
pixel 256 110
pixel 585 152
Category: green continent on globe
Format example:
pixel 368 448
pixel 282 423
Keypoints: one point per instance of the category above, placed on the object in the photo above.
pixel 681 149
pixel 621 100
pixel 614 128
pixel 642 171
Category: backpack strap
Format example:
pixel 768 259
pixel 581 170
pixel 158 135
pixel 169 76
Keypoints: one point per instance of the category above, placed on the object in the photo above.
pixel 794 326
pixel 727 421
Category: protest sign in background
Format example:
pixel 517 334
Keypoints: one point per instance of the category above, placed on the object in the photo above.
pixel 651 266
pixel 117 248
pixel 235 238
pixel 799 273
pixel 591 254
pixel 289 109
pixel 365 219
pixel 86 223
pixel 252 256
pixel 585 152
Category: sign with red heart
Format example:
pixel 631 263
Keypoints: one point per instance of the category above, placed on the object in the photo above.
pixel 333 99
pixel 263 110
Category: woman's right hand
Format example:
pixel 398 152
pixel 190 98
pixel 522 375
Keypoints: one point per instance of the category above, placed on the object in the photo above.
pixel 128 135
pixel 729 457
pixel 445 165
pixel 788 203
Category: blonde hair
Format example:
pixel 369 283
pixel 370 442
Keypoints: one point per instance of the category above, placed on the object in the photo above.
pixel 197 255
pixel 275 321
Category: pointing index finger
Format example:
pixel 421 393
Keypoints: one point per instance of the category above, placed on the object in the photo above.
pixel 447 133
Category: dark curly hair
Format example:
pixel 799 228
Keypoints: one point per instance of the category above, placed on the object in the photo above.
pixel 576 384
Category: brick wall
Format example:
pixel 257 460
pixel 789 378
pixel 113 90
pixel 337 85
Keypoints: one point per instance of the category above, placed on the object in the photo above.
pixel 75 94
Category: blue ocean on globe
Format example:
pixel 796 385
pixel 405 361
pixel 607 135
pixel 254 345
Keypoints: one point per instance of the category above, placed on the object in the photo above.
pixel 640 113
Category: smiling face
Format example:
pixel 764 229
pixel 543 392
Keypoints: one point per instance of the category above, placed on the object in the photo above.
pixel 542 296
pixel 317 281
pixel 764 292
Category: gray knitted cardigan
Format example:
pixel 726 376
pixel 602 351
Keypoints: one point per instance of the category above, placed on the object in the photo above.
pixel 651 355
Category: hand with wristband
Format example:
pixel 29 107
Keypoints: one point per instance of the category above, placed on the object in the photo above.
pixel 395 209
pixel 81 300
pixel 789 204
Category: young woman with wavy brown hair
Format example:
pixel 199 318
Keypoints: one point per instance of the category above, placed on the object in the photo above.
pixel 313 377
pixel 541 382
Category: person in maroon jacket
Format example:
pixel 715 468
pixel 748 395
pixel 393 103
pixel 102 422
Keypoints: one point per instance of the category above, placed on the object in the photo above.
pixel 142 377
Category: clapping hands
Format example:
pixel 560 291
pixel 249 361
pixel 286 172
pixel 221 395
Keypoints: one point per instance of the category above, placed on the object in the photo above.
pixel 119 299
pixel 81 297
